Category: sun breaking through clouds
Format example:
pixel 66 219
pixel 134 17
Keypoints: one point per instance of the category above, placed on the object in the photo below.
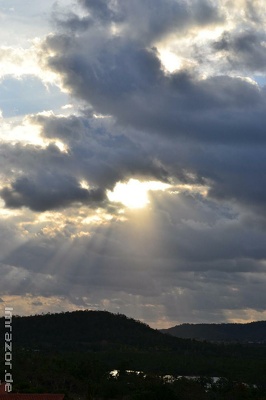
pixel 133 158
pixel 134 194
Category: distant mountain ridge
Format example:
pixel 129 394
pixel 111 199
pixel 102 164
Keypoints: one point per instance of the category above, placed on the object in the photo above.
pixel 253 332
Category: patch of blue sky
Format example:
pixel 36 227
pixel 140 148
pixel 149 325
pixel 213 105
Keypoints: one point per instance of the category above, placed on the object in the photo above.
pixel 29 95
pixel 23 20
pixel 260 79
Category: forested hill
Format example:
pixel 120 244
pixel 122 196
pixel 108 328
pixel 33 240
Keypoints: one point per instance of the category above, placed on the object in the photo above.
pixel 88 330
pixel 52 349
pixel 100 330
pixel 254 332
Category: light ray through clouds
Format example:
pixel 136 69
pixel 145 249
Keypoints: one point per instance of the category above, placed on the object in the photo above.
pixel 133 157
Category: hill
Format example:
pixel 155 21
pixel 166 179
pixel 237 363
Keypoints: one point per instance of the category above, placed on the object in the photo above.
pixel 88 330
pixel 253 332
pixel 61 351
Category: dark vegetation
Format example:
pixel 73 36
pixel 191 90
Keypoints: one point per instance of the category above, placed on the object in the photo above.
pixel 254 332
pixel 74 352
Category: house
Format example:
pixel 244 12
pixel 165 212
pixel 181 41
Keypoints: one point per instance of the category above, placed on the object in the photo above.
pixel 2 388
pixel 28 396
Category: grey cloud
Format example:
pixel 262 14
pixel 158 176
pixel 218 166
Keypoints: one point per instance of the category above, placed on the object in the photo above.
pixel 72 23
pixel 68 129
pixel 37 303
pixel 46 192
pixel 100 9
pixel 81 268
pixel 99 155
pixel 226 114
pixel 20 282
pixel 120 69
pixel 128 83
pixel 194 257
pixel 214 297
pixel 139 262
pixel 238 175
pixel 46 178
pixel 253 10
pixel 185 235
pixel 174 16
pixel 10 235
pixel 233 174
pixel 244 50
pixel 122 78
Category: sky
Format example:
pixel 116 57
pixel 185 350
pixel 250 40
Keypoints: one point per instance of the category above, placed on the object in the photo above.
pixel 133 158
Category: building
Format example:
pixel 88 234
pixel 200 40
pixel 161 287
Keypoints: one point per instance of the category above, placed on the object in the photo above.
pixel 28 396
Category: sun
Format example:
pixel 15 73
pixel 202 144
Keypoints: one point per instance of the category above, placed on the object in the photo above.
pixel 134 193
pixel 170 60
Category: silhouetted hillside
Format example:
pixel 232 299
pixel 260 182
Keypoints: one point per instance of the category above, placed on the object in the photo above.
pixel 254 332
pixel 55 350
pixel 88 330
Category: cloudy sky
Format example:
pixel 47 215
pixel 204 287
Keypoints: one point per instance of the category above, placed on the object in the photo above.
pixel 133 158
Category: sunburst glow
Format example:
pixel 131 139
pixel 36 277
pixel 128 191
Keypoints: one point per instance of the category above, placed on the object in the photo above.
pixel 134 194
pixel 169 60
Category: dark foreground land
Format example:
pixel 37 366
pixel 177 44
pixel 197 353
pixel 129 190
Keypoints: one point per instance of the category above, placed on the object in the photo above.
pixel 74 353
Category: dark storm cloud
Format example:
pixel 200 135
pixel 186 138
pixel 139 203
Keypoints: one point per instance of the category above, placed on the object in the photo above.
pixel 211 128
pixel 71 22
pixel 46 178
pixel 233 173
pixel 100 9
pixel 175 114
pixel 153 18
pixel 127 81
pixel 244 50
pixel 48 192
pixel 99 152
